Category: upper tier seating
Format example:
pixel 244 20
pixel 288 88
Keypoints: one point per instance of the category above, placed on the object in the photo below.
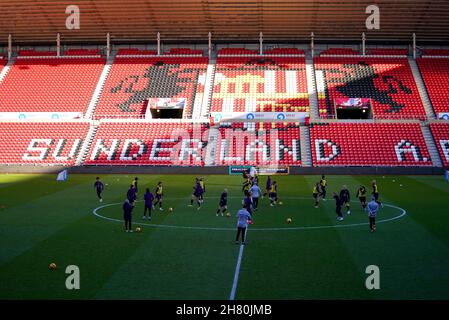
pixel 388 82
pixel 269 84
pixel 339 51
pixel 435 52
pixel 135 51
pixel 132 81
pixel 50 84
pixel 82 52
pixel 184 51
pixel 143 143
pixel 440 133
pixel 284 51
pixel 41 143
pixel 368 144
pixel 258 144
pixel 34 53
pixel 387 52
pixel 237 51
pixel 435 73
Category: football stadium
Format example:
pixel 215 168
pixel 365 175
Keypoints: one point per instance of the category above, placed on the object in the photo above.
pixel 224 150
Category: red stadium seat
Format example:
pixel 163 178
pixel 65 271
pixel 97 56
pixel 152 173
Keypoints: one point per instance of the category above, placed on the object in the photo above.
pixel 440 132
pixel 435 73
pixel 368 144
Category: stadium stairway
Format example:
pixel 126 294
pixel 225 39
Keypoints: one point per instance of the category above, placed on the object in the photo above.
pixel 87 144
pixel 100 85
pixel 6 69
pixel 306 152
pixel 208 90
pixel 431 146
pixel 421 89
pixel 209 159
pixel 311 85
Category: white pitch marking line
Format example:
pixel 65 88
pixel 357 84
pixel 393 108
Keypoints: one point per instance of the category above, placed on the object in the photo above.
pixel 237 270
pixel 403 213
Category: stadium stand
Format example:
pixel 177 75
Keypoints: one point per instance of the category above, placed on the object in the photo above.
pixel 41 143
pixel 386 52
pixel 237 52
pixel 184 52
pixel 148 143
pixel 440 132
pixel 35 53
pixel 339 52
pixel 50 84
pixel 135 52
pixel 133 80
pixel 82 52
pixel 435 73
pixel 435 52
pixel 368 144
pixel 284 51
pixel 388 82
pixel 258 144
pixel 268 84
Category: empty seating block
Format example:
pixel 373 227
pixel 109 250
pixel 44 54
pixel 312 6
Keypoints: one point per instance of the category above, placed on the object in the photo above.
pixel 133 81
pixel 440 133
pixel 435 73
pixel 143 143
pixel 260 84
pixel 339 51
pixel 41 143
pixel 381 144
pixel 388 82
pixel 237 51
pixel 268 144
pixel 50 85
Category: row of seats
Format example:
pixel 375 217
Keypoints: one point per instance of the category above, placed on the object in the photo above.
pixel 140 143
pixel 440 132
pixel 339 51
pixel 435 73
pixel 41 143
pixel 268 84
pixel 388 82
pixel 132 81
pixel 380 144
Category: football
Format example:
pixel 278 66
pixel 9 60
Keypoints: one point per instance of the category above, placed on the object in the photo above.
pixel 228 214
pixel 52 266
pixel 289 220
pixel 138 229
pixel 281 203
pixel 170 209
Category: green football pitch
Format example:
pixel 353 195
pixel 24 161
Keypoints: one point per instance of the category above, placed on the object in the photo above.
pixel 191 254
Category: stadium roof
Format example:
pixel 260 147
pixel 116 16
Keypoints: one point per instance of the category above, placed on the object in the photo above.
pixel 40 20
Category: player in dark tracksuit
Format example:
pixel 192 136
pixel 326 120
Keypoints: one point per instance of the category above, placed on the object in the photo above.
pixel 323 184
pixel 338 205
pixel 134 183
pixel 99 187
pixel 248 202
pixel 148 197
pixel 127 215
pixel 223 204
pixel 159 194
pixel 361 194
pixel 131 195
pixel 198 194
pixel 345 198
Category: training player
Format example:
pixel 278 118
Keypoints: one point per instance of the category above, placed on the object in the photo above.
pixel 338 205
pixel 247 184
pixel 248 202
pixel 159 194
pixel 255 193
pixel 148 197
pixel 127 215
pixel 373 208
pixel 99 187
pixel 131 195
pixel 223 204
pixel 345 199
pixel 267 186
pixel 273 194
pixel 203 189
pixel 317 194
pixel 242 223
pixel 193 198
pixel 361 194
pixel 375 193
pixel 198 194
pixel 134 183
pixel 323 184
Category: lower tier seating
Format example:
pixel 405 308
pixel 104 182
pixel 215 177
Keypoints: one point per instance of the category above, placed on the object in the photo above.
pixel 440 132
pixel 258 144
pixel 41 143
pixel 381 144
pixel 143 143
